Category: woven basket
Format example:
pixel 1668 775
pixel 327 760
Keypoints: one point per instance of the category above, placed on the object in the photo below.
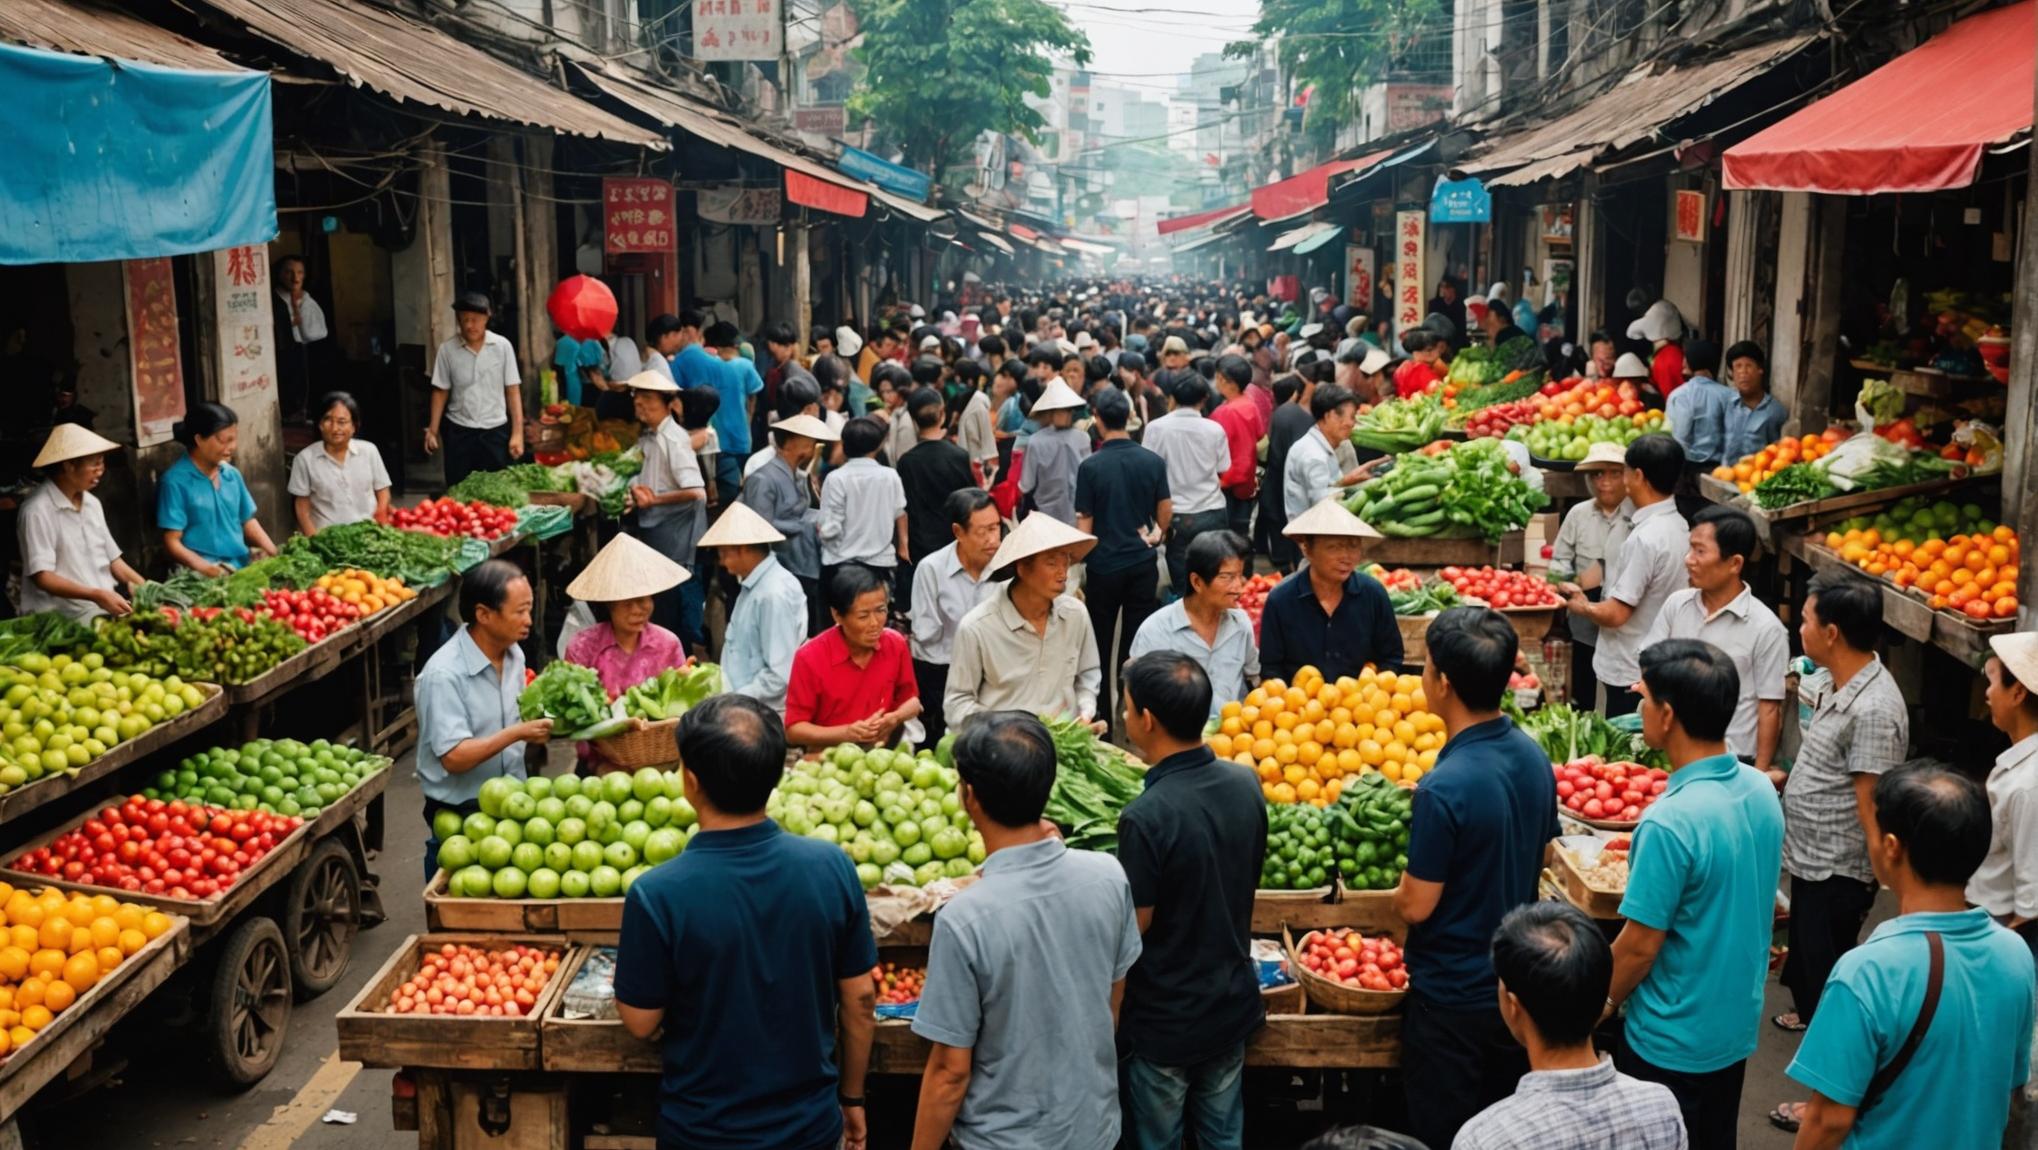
pixel 1336 997
pixel 649 745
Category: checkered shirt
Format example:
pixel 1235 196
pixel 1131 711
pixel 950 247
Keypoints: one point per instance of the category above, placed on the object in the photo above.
pixel 1594 1109
pixel 1860 729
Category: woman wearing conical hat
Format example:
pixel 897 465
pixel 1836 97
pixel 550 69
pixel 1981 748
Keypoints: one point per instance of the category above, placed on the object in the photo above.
pixel 69 561
pixel 624 647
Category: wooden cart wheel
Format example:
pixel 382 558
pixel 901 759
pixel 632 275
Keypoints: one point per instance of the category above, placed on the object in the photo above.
pixel 250 1002
pixel 321 915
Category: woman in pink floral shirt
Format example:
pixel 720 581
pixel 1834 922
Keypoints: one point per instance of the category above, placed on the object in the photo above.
pixel 625 647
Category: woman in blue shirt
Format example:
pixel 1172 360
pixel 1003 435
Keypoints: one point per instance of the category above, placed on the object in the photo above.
pixel 202 503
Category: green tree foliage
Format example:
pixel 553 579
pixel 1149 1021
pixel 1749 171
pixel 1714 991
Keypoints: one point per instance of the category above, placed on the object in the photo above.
pixel 937 73
pixel 1340 47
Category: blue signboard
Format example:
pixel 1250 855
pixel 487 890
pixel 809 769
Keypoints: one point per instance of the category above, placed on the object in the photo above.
pixel 1461 202
pixel 891 177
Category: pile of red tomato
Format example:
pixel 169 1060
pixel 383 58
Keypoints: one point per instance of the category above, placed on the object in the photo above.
pixel 1351 958
pixel 897 985
pixel 313 614
pixel 176 849
pixel 1254 598
pixel 1609 792
pixel 1501 589
pixel 1495 421
pixel 444 516
pixel 471 982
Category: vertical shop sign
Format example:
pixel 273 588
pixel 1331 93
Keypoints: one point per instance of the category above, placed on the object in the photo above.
pixel 636 216
pixel 244 312
pixel 1691 216
pixel 1409 238
pixel 1359 276
pixel 155 361
pixel 737 30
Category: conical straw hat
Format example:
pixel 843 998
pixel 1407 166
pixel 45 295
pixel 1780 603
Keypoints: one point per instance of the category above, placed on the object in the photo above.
pixel 1329 518
pixel 1603 457
pixel 1038 533
pixel 651 381
pixel 1058 396
pixel 626 569
pixel 2019 653
pixel 740 525
pixel 808 426
pixel 72 441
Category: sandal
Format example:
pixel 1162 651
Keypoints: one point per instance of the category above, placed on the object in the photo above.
pixel 1787 1116
pixel 1788 1020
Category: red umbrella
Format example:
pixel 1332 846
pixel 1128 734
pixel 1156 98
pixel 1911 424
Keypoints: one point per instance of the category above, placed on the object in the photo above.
pixel 582 307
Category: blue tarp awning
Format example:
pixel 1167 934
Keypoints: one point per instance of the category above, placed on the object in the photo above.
pixel 116 160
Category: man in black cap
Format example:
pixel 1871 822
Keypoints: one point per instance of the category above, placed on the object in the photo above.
pixel 477 396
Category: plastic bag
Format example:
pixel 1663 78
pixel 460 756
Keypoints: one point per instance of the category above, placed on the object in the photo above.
pixel 579 617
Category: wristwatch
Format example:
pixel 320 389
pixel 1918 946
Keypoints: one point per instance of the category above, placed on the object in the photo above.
pixel 846 1101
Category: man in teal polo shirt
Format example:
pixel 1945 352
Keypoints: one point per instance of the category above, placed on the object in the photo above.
pixel 1691 962
pixel 1956 1087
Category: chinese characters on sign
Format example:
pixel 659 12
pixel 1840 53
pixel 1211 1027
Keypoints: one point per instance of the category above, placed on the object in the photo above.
pixel 156 364
pixel 636 215
pixel 246 326
pixel 739 205
pixel 1359 276
pixel 1691 216
pixel 1410 236
pixel 737 30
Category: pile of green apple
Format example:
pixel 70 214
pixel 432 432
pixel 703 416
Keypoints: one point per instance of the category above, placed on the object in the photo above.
pixel 896 816
pixel 58 713
pixel 564 837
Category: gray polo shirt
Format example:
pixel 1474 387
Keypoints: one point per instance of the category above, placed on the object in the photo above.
pixel 1020 973
pixel 476 380
pixel 1049 473
pixel 341 491
pixel 1643 573
pixel 1750 633
pixel 775 493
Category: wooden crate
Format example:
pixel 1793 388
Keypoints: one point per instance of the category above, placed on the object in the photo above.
pixel 1327 1042
pixel 590 920
pixel 1600 904
pixel 374 1038
pixel 29 796
pixel 590 1045
pixel 1445 552
pixel 309 665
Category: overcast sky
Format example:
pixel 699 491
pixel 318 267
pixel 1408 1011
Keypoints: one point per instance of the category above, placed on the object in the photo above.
pixel 1143 43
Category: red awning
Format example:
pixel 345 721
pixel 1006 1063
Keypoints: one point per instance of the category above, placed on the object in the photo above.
pixel 1173 224
pixel 807 191
pixel 1916 124
pixel 1286 199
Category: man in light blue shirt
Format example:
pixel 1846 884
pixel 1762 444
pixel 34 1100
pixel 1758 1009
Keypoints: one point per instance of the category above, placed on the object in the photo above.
pixel 469 729
pixel 1027 967
pixel 1754 419
pixel 1698 411
pixel 740 386
pixel 770 618
pixel 1691 963
pixel 1956 1088
pixel 1209 626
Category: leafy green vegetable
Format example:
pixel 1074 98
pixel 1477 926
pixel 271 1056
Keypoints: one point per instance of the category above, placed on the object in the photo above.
pixel 568 694
pixel 497 487
pixel 47 632
pixel 1092 783
pixel 419 559
pixel 1429 598
pixel 1798 483
pixel 671 692
pixel 1565 734
pixel 1470 489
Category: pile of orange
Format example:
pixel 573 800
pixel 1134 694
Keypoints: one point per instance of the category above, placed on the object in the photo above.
pixel 1304 739
pixel 54 947
pixel 364 589
pixel 1753 469
pixel 1975 575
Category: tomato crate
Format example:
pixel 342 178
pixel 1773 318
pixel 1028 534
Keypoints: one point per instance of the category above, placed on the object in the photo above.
pixel 374 1037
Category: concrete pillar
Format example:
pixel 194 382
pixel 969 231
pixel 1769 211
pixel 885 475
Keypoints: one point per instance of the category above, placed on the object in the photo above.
pixel 2020 507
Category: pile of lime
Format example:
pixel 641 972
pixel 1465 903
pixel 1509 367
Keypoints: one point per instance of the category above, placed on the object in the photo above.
pixel 281 776
pixel 58 713
pixel 564 837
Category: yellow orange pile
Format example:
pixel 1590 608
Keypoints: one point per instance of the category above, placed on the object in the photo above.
pixel 364 589
pixel 54 947
pixel 1751 470
pixel 1975 575
pixel 1304 739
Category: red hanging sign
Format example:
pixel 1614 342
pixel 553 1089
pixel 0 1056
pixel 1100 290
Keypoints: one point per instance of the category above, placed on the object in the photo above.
pixel 637 216
pixel 155 357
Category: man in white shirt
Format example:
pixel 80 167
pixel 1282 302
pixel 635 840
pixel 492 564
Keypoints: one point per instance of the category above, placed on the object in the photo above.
pixel 300 328
pixel 1720 608
pixel 1312 473
pixel 863 506
pixel 2006 886
pixel 1197 455
pixel 669 496
pixel 1641 575
pixel 948 585
pixel 477 396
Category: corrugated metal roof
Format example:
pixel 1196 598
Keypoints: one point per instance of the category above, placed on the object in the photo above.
pixel 413 62
pixel 86 28
pixel 675 110
pixel 1549 169
pixel 1631 111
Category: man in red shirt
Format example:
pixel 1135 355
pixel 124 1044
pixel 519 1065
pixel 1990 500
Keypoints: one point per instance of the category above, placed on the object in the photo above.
pixel 1243 428
pixel 1663 326
pixel 852 683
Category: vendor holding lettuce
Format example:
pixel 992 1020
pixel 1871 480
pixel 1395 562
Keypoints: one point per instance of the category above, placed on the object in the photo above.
pixel 624 646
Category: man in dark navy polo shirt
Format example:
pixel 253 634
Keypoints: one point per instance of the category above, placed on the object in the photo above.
pixel 1481 820
pixel 1122 499
pixel 1328 615
pixel 1191 845
pixel 749 1006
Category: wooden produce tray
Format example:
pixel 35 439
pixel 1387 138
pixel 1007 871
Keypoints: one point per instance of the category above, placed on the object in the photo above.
pixel 1471 551
pixel 381 623
pixel 589 920
pixel 1903 613
pixel 1565 876
pixel 1847 502
pixel 590 1045
pixel 29 796
pixel 77 1030
pixel 313 663
pixel 1415 638
pixel 1272 908
pixel 1531 623
pixel 1292 1040
pixel 375 1038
